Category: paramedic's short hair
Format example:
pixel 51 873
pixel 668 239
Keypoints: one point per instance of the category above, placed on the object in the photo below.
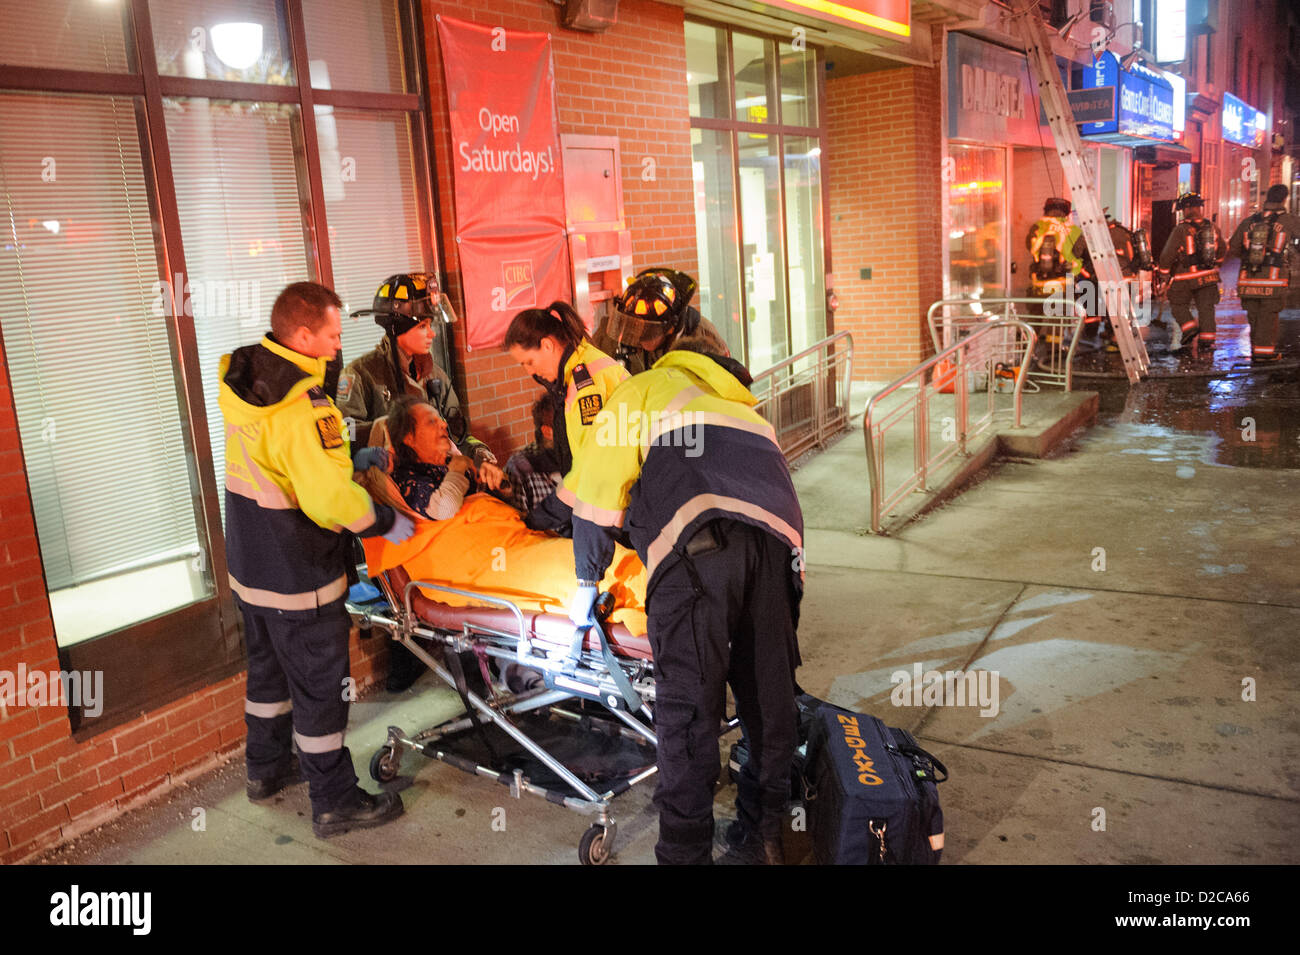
pixel 301 305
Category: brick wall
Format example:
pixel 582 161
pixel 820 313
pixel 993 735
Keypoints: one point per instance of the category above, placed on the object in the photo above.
pixel 51 786
pixel 628 82
pixel 884 159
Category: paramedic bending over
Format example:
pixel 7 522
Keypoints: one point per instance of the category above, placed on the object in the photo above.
pixel 551 344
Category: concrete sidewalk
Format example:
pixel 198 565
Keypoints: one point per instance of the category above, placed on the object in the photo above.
pixel 1119 593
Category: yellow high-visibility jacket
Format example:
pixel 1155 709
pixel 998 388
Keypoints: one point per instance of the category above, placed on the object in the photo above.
pixel 289 489
pixel 590 377
pixel 674 448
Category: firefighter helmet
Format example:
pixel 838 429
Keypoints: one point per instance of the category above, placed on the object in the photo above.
pixel 403 301
pixel 1061 206
pixel 1190 200
pixel 654 306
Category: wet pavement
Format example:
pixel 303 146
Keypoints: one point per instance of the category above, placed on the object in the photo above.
pixel 1133 601
pixel 1250 415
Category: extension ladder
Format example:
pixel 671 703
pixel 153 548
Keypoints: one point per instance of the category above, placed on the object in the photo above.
pixel 1119 305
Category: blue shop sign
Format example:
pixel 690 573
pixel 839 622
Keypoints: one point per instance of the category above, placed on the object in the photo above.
pixel 1242 123
pixel 1144 107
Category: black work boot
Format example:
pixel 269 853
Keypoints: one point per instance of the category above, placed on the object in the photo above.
pixel 745 846
pixel 361 811
pixel 259 789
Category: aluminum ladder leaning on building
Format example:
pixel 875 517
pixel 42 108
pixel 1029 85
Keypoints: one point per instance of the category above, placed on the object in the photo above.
pixel 1042 66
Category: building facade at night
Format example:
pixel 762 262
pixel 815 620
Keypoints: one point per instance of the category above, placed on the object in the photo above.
pixel 169 165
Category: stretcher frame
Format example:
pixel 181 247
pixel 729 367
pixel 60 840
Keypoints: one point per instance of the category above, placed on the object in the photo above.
pixel 579 671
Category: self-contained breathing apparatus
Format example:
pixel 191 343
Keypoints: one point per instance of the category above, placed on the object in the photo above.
pixel 1264 256
pixel 1206 245
pixel 1142 256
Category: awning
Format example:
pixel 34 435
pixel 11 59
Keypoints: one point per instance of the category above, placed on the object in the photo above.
pixel 1166 154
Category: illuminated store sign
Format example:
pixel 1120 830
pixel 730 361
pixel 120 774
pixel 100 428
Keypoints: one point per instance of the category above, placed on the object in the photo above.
pixel 1144 106
pixel 990 96
pixel 1242 123
pixel 891 17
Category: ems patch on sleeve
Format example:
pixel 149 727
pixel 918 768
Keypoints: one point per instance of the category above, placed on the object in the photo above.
pixel 328 429
pixel 589 407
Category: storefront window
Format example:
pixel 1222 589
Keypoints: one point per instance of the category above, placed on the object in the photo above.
pixel 355 46
pixel 149 232
pixel 752 57
pixel 761 253
pixel 798 86
pixel 207 39
pixel 759 216
pixel 715 234
pixel 73 35
pixel 706 71
pixel 803 218
pixel 85 334
pixel 977 222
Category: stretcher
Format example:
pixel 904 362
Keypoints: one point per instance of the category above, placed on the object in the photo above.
pixel 598 681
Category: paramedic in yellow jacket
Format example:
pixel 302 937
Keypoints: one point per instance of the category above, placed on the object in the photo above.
pixel 681 461
pixel 291 508
pixel 551 344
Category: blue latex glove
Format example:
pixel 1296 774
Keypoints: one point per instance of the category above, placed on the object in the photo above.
pixel 582 607
pixel 403 527
pixel 370 458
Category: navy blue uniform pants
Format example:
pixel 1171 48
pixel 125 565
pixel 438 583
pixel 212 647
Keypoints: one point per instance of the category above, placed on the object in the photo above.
pixel 731 621
pixel 298 689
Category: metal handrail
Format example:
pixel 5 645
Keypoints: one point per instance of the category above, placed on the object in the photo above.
pixel 923 462
pixel 1056 372
pixel 828 418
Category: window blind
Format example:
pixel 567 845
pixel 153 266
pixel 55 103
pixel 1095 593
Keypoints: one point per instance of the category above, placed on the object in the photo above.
pixel 88 351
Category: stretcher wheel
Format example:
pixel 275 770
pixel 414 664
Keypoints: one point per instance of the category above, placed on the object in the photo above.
pixel 592 847
pixel 385 764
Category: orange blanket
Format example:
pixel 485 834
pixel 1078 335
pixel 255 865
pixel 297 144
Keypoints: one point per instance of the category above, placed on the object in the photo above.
pixel 486 548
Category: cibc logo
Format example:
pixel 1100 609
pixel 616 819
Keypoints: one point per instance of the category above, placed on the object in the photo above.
pixel 517 279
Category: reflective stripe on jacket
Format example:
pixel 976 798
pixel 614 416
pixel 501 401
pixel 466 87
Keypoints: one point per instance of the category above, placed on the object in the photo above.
pixel 289 489
pixel 590 377
pixel 674 448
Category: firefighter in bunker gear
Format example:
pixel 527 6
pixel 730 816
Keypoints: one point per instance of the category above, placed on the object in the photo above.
pixel 1265 243
pixel 291 508
pixel 1191 258
pixel 682 462
pixel 621 338
pixel 411 310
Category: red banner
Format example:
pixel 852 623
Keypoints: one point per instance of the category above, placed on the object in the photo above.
pixel 506 160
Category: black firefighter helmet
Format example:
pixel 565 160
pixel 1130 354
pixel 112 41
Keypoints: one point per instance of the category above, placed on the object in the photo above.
pixel 655 305
pixel 403 301
pixel 1189 200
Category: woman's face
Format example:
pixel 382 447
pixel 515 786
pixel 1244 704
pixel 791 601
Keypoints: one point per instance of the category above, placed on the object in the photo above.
pixel 429 440
pixel 542 361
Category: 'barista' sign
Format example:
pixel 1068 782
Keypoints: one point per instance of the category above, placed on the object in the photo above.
pixel 990 96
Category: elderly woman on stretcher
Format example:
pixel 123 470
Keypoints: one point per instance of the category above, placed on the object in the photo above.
pixel 470 540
